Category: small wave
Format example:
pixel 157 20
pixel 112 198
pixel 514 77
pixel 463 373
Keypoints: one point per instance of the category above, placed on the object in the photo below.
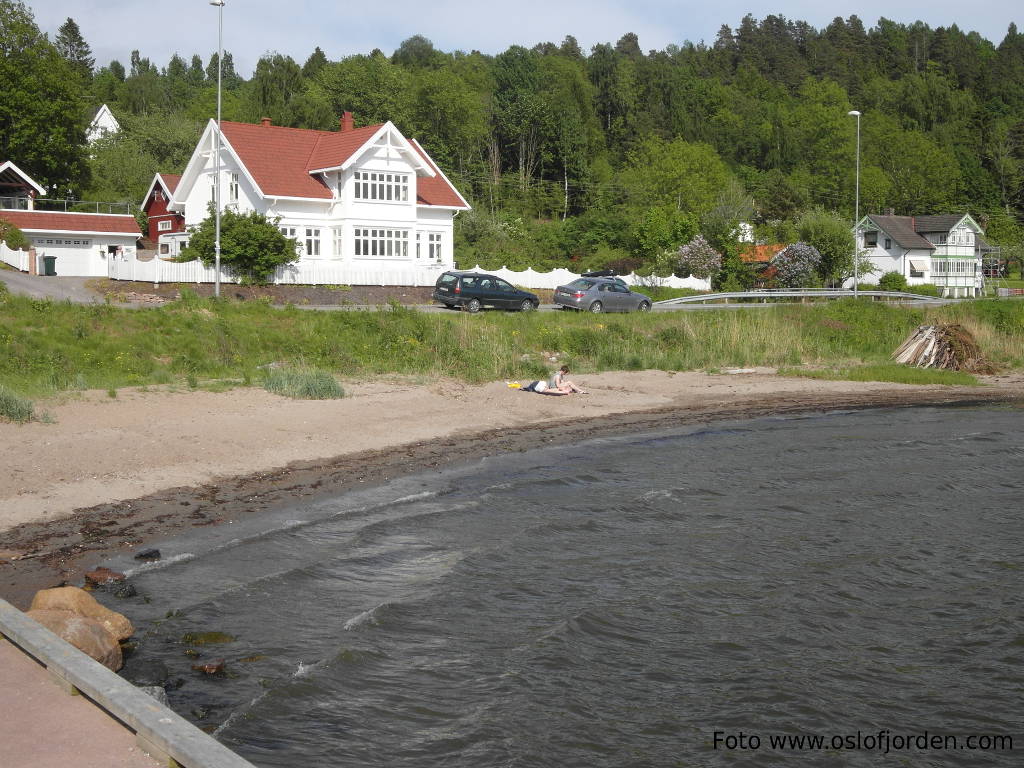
pixel 156 565
pixel 416 497
pixel 366 617
pixel 305 670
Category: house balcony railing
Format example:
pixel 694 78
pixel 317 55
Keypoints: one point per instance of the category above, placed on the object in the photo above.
pixel 63 206
pixel 13 203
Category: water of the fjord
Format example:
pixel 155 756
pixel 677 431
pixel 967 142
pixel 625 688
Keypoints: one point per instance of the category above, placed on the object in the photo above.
pixel 651 600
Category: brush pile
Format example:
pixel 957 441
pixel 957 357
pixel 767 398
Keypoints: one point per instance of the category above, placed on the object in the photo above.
pixel 949 347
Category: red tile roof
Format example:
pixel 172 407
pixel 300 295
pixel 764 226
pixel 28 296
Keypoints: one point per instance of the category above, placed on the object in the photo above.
pixel 437 190
pixel 280 160
pixel 45 221
pixel 759 254
pixel 170 180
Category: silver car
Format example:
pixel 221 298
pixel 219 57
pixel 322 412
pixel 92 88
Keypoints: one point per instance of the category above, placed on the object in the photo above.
pixel 600 294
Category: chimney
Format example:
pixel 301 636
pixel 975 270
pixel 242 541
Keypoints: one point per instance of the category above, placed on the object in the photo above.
pixel 890 211
pixel 347 123
pixel 265 122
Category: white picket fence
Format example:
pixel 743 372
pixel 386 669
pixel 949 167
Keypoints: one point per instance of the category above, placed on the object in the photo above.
pixel 530 278
pixel 301 273
pixel 17 259
pixel 310 272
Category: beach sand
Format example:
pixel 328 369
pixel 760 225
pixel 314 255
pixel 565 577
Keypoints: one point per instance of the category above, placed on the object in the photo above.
pixel 112 475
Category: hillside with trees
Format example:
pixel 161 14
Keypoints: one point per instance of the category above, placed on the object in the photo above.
pixel 612 156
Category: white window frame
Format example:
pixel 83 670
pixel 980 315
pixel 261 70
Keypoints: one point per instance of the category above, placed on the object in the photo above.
pixel 163 226
pixel 312 241
pixel 380 243
pixel 339 241
pixel 381 187
pixel 434 240
pixel 232 188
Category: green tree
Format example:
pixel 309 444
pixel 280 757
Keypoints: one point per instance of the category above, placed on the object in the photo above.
pixel 13 237
pixel 73 49
pixel 832 237
pixel 371 87
pixel 250 244
pixel 42 113
pixel 684 175
pixel 275 85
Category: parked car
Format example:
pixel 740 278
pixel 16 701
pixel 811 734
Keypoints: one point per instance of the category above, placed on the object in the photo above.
pixel 600 294
pixel 473 290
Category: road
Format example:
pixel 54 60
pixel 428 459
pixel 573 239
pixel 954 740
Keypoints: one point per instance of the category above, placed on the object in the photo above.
pixel 75 290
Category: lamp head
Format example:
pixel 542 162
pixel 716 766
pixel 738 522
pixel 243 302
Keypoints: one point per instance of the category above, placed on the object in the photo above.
pixel 851 113
pixel 219 3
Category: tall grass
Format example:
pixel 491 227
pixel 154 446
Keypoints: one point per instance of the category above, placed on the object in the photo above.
pixel 46 347
pixel 15 408
pixel 303 384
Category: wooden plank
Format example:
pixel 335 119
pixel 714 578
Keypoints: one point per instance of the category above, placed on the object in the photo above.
pixel 153 723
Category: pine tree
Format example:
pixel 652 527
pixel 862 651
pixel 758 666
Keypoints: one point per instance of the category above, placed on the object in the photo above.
pixel 73 48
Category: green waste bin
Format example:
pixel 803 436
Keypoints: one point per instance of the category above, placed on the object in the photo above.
pixel 50 266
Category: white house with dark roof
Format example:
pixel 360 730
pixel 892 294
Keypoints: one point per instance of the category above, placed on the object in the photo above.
pixel 943 250
pixel 357 201
pixel 84 244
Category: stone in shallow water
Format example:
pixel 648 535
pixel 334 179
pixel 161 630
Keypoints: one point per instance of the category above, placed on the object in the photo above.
pixel 148 554
pixel 81 603
pixel 87 635
pixel 206 638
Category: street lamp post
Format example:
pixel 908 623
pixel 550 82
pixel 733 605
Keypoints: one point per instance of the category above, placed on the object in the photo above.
pixel 216 148
pixel 856 203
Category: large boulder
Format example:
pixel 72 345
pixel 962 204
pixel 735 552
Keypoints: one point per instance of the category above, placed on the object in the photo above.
pixel 87 635
pixel 81 603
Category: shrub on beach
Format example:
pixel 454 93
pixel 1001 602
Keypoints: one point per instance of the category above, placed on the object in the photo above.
pixel 15 408
pixel 304 384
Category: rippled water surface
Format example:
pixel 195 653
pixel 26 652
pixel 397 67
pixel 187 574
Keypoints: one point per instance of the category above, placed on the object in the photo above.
pixel 617 602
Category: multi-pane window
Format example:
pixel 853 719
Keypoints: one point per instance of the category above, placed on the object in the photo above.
pixel 433 249
pixel 233 188
pixel 338 241
pixel 381 186
pixel 382 243
pixel 163 226
pixel 870 239
pixel 312 241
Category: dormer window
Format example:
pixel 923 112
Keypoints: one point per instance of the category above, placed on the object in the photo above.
pixel 382 187
pixel 158 195
pixel 943 239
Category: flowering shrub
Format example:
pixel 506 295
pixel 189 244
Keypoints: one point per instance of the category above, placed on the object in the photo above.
pixel 698 258
pixel 796 265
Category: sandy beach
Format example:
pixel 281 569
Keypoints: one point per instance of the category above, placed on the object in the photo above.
pixel 115 474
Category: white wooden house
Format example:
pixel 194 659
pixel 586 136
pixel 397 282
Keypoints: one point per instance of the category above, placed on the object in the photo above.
pixel 103 123
pixel 944 250
pixel 358 201
pixel 83 243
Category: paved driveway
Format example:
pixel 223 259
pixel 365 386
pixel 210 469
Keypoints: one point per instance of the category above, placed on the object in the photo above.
pixel 59 288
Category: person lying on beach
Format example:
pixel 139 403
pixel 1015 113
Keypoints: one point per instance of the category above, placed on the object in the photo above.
pixel 556 385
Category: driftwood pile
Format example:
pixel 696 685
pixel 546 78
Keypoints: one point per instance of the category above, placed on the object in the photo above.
pixel 949 347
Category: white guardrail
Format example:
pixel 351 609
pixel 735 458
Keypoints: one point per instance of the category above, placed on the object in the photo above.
pixel 795 293
pixel 159 731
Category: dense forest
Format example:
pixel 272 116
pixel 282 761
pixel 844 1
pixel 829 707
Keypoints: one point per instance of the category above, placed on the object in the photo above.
pixel 610 156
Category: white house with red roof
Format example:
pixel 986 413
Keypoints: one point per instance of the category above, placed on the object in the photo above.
pixel 357 201
pixel 83 243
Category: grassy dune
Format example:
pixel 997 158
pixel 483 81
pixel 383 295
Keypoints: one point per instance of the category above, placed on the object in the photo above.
pixel 48 347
